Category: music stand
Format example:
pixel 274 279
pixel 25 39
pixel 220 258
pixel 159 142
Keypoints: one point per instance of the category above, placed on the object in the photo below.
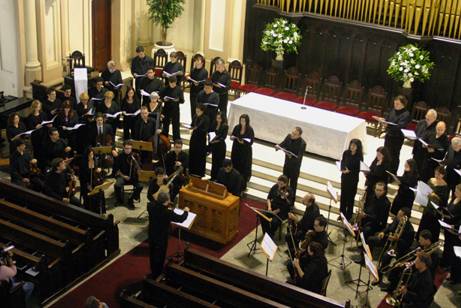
pixel 333 193
pixel 102 150
pixel 342 263
pixel 142 146
pixel 101 188
pixel 252 245
pixel 187 225
pixel 269 248
pixel 372 271
pixel 359 282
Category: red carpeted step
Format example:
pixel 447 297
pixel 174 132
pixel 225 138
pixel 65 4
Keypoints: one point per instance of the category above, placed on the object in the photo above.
pixel 248 88
pixel 286 96
pixel 367 115
pixel 351 111
pixel 134 265
pixel 264 91
pixel 330 106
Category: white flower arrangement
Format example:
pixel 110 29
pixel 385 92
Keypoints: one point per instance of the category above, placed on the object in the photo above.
pixel 281 36
pixel 410 63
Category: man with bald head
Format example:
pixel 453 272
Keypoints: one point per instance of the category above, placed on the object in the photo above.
pixel 438 146
pixel 425 130
pixel 306 223
pixel 452 162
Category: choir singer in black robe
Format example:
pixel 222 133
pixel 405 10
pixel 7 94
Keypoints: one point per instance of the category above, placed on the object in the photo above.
pixel 221 81
pixel 279 203
pixel 210 99
pixel 149 84
pixel 425 130
pixel 452 162
pixel 439 146
pixel 140 64
pixel 130 105
pixel 196 79
pixel 217 144
pixel 113 79
pixel 242 152
pixel 230 177
pixel 405 196
pixel 172 95
pixel 198 148
pixel 398 118
pixel 160 218
pixel 295 144
pixel 350 170
pixel 173 68
pixel 378 169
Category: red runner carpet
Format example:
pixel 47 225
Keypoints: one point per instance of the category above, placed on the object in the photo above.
pixel 134 265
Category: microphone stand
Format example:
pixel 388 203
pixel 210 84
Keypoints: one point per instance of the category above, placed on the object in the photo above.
pixel 305 95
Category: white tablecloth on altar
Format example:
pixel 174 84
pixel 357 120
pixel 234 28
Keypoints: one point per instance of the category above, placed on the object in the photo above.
pixel 326 133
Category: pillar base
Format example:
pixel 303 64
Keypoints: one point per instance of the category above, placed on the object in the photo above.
pixel 32 73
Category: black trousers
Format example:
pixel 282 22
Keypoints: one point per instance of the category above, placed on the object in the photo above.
pixel 292 172
pixel 157 254
pixel 394 145
pixel 223 98
pixel 171 116
pixel 218 154
pixel 120 182
pixel 270 227
pixel 193 104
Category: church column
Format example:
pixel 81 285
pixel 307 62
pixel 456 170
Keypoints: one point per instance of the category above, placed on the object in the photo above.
pixel 145 25
pixel 33 67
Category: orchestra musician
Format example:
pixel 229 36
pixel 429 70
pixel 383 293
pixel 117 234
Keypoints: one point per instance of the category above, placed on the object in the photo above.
pixel 430 218
pixel 278 205
pixel 242 153
pixel 196 79
pixel 350 170
pixel 299 227
pixel 155 183
pixel 112 79
pixel 160 218
pixel 420 290
pixel 21 168
pixel 425 129
pixel 409 179
pixel 125 170
pixel 172 95
pixel 173 68
pixel 139 65
pixel 221 82
pixel 399 116
pixel 230 177
pixel 130 104
pixel 175 159
pixel 91 175
pixel 149 84
pixel 311 268
pixel 295 144
pixel 378 169
pixel 60 182
pixel 144 127
pixel 217 145
pixel 210 99
pixel 197 145
pixel 97 93
pixel 55 147
pixel 438 149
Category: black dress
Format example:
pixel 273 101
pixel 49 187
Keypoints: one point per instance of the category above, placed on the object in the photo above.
pixel 449 258
pixel 38 136
pixel 440 145
pixel 111 110
pixel 426 133
pixel 430 217
pixel 198 149
pixel 199 75
pixel 129 120
pixel 218 149
pixel 349 182
pixel 394 136
pixel 242 153
pixel 405 196
pixel 377 174
pixel 225 80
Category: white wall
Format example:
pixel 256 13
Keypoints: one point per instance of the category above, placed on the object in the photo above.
pixel 9 49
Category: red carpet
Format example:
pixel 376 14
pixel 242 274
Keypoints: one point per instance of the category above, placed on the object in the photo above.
pixel 134 266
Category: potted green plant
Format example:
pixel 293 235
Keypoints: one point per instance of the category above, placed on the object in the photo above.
pixel 281 36
pixel 410 63
pixel 163 13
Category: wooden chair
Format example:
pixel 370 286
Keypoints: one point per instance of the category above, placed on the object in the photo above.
pixel 444 114
pixel 160 59
pixel 213 65
pixel 353 94
pixel 271 79
pixel 418 111
pixel 76 59
pixel 252 78
pixel 312 82
pixel 182 59
pixel 291 80
pixel 331 89
pixel 236 73
pixel 377 103
pixel 325 282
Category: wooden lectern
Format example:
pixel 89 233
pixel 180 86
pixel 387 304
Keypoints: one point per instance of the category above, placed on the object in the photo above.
pixel 217 210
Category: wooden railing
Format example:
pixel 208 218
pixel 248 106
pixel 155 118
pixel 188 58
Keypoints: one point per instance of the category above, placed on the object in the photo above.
pixel 415 17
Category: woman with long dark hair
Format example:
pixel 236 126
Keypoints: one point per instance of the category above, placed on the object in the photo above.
pixel 378 169
pixel 14 127
pixel 130 105
pixel 350 170
pixel 242 153
pixel 409 179
pixel 197 148
pixel 196 79
pixel 217 145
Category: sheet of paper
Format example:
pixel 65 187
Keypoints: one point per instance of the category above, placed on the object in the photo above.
pixel 211 135
pixel 366 248
pixel 396 179
pixel 435 205
pixel 144 93
pixel 389 123
pixel 409 134
pixel 27 133
pixel 138 76
pixel 109 115
pixel 187 125
pixel 48 122
pixel 338 165
pixel 458 171
pixel 364 167
pixel 116 85
pixel 76 126
pixel 268 246
pixel 132 114
pixel 169 98
pixel 457 250
pixel 347 224
pixel 96 99
pixel 423 142
pixel 437 160
pixel 80 81
pixel 186 224
pixel 332 192
pixel 371 266
pixel 424 188
pixel 247 140
pixel 445 225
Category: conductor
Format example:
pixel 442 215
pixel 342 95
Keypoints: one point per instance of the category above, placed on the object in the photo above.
pixel 160 217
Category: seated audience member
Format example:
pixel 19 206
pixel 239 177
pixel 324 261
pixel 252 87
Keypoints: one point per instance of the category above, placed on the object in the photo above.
pixel 231 178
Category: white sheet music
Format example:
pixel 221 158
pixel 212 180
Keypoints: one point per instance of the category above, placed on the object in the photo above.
pixel 48 122
pixel 76 126
pixel 269 247
pixel 80 81
pixel 338 165
pixel 445 225
pixel 247 140
pixel 116 85
pixel 458 171
pixel 186 224
pixel 423 142
pixel 126 114
pixel 347 224
pixel 409 134
pixel 457 250
pixel 332 192
pixel 371 267
pixel 396 179
pixel 144 93
pixel 364 167
pixel 211 135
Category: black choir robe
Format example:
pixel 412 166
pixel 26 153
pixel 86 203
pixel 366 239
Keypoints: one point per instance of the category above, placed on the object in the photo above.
pixel 211 102
pixel 426 133
pixel 198 148
pixel 440 145
pixel 38 136
pixel 172 98
pixel 405 196
pixel 377 174
pixel 51 108
pixel 394 136
pixel 292 165
pixel 149 86
pixel 111 79
pixel 217 147
pixel 172 68
pixel 224 79
pixel 199 75
pixel 453 161
pixel 242 154
pixel 112 109
pixel 129 121
pixel 143 130
pixel 349 182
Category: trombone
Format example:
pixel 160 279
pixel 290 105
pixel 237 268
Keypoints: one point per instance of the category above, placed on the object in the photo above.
pixel 391 244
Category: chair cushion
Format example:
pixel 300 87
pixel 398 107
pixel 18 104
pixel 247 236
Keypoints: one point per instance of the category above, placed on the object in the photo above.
pixel 326 105
pixel 347 110
pixel 235 85
pixel 158 72
pixel 286 96
pixel 248 88
pixel 264 91
pixel 411 126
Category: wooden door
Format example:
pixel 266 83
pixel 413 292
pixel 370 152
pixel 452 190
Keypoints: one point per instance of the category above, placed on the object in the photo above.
pixel 101 10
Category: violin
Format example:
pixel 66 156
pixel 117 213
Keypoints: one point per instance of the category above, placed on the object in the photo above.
pixel 34 170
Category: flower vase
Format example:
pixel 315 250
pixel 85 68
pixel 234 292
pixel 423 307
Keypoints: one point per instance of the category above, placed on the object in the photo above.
pixel 407 84
pixel 277 63
pixel 279 56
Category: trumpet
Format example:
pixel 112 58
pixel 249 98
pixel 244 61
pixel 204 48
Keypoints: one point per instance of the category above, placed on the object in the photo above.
pixel 409 257
pixel 396 298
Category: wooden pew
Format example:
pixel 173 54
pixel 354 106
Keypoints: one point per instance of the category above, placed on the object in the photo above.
pixel 161 294
pixel 225 293
pixel 129 301
pixel 278 291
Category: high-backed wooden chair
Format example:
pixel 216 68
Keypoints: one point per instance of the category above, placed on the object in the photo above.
pixel 418 111
pixel 160 59
pixel 236 73
pixel 253 72
pixel 182 59
pixel 76 59
pixel 331 89
pixel 444 114
pixel 353 94
pixel 213 65
pixel 312 82
pixel 270 83
pixel 377 100
pixel 291 80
